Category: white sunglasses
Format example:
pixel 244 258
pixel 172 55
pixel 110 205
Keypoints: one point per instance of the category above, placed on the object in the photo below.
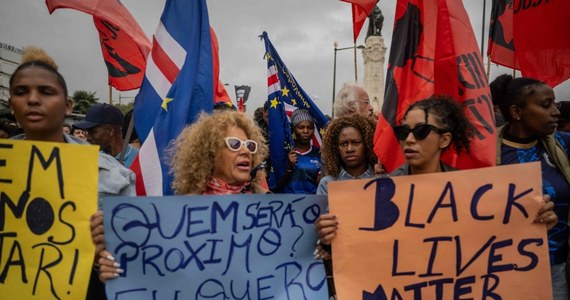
pixel 235 144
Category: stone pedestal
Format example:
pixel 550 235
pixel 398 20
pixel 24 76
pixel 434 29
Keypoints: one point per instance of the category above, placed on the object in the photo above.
pixel 374 55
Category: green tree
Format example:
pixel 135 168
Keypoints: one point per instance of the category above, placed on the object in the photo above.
pixel 125 107
pixel 83 100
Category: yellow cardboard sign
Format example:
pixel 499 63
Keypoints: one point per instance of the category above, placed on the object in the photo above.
pixel 453 235
pixel 48 191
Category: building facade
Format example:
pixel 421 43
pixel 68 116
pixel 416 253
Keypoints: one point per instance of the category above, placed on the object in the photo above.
pixel 10 57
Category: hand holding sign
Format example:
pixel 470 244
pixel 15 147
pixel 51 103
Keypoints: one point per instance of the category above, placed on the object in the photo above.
pixel 464 234
pixel 546 213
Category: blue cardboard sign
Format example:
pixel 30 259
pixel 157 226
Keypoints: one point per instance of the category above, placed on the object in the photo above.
pixel 215 247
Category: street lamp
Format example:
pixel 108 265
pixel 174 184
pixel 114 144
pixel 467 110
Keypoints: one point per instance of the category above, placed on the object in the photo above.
pixel 336 49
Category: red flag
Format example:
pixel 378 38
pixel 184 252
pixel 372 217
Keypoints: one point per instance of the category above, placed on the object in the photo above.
pixel 532 36
pixel 220 93
pixel 434 52
pixel 123 43
pixel 361 9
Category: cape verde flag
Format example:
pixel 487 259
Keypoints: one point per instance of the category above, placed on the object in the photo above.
pixel 178 85
pixel 284 96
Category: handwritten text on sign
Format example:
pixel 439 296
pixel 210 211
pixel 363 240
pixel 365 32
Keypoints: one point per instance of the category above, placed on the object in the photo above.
pixel 452 235
pixel 48 191
pixel 215 247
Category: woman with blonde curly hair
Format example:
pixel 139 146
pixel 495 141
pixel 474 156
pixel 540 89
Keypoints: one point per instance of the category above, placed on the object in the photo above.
pixel 213 156
pixel 348 150
pixel 216 155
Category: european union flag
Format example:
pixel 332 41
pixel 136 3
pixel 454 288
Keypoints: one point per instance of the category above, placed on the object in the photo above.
pixel 284 96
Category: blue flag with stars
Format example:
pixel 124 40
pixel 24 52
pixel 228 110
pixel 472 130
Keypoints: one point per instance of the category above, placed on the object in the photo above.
pixel 186 41
pixel 284 96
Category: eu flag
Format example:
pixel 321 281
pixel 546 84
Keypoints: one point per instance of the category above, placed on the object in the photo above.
pixel 182 41
pixel 284 96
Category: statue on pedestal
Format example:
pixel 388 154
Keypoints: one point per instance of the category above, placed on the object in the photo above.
pixel 376 20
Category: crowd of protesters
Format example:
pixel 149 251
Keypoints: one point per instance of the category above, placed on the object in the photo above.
pixel 227 152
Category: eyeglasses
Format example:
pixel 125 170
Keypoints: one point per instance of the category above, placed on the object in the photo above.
pixel 420 132
pixel 364 101
pixel 235 144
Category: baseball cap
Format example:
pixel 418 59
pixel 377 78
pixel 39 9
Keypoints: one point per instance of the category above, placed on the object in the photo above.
pixel 99 114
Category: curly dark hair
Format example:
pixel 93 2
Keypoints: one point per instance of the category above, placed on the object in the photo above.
pixel 330 153
pixel 507 91
pixel 450 115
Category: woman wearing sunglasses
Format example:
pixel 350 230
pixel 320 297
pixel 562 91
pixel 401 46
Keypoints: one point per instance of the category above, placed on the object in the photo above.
pixel 528 105
pixel 428 128
pixel 216 155
pixel 213 156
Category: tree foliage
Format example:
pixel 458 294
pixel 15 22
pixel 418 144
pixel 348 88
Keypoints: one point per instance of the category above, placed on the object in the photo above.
pixel 83 100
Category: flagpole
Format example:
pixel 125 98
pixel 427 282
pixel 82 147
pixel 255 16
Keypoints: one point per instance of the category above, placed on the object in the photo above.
pixel 483 30
pixel 110 95
pixel 334 76
pixel 488 67
pixel 355 68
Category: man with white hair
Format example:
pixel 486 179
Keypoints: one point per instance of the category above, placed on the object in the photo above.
pixel 352 99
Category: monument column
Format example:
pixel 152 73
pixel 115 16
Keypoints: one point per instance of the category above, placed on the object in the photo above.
pixel 374 54
pixel 374 57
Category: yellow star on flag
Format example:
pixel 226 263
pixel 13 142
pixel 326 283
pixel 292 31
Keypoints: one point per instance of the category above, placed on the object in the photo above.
pixel 267 56
pixel 284 91
pixel 274 103
pixel 294 102
pixel 165 102
pixel 322 131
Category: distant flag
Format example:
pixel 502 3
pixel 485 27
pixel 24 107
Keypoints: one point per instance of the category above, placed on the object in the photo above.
pixel 242 93
pixel 285 95
pixel 434 52
pixel 501 49
pixel 220 93
pixel 123 43
pixel 532 37
pixel 178 85
pixel 361 9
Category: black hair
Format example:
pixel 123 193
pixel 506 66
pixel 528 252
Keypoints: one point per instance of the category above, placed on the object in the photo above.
pixel 44 65
pixel 507 91
pixel 450 115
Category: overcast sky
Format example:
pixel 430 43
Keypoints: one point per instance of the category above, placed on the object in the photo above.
pixel 303 32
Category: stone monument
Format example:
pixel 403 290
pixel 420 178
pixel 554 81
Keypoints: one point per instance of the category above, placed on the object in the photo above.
pixel 374 56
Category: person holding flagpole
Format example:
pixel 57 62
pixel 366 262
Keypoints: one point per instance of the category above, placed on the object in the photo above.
pixel 304 161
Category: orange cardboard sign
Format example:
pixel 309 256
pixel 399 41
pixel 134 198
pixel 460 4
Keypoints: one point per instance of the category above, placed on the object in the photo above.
pixel 453 235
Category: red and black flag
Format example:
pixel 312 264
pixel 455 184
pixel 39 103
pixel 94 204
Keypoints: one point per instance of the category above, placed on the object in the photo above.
pixel 123 43
pixel 434 52
pixel 532 36
pixel 501 49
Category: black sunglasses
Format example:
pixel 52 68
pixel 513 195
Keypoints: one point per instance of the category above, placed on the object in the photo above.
pixel 420 132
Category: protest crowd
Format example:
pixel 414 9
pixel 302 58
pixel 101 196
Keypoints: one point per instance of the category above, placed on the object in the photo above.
pixel 221 150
